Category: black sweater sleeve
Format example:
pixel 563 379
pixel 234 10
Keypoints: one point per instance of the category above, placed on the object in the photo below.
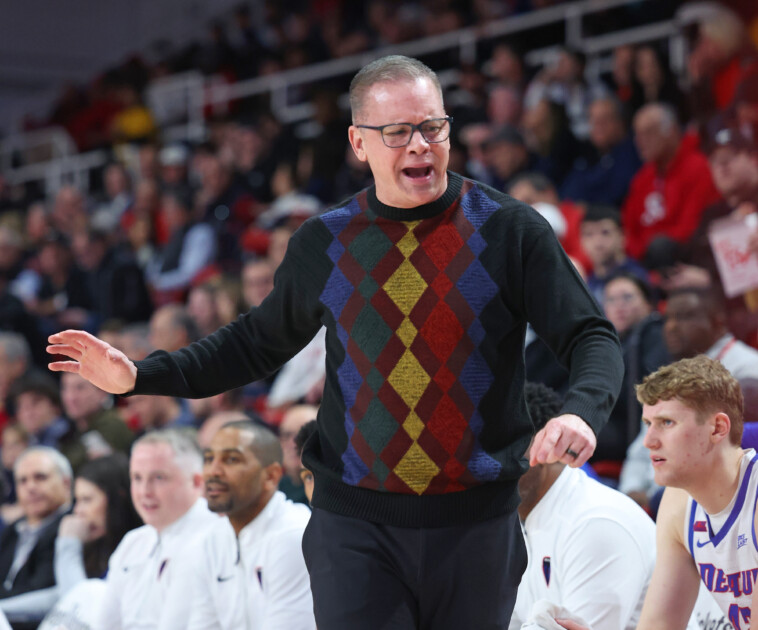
pixel 258 342
pixel 562 312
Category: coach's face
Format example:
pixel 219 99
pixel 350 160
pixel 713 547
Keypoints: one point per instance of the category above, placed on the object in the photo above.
pixel 409 176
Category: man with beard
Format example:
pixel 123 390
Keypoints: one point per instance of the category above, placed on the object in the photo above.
pixel 248 570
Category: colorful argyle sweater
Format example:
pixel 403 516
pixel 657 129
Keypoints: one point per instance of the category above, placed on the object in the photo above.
pixel 423 420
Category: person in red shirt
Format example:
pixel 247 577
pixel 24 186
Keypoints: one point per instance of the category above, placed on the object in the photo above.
pixel 668 194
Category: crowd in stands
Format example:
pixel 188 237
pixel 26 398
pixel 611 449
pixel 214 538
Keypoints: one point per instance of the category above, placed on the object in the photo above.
pixel 174 240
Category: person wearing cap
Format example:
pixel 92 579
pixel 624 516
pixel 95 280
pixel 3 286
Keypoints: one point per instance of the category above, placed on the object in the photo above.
pixel 426 282
pixel 173 161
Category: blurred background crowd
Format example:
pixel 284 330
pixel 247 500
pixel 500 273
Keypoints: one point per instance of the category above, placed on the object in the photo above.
pixel 631 156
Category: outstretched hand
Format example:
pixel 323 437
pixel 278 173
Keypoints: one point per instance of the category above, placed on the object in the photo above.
pixel 93 359
pixel 567 439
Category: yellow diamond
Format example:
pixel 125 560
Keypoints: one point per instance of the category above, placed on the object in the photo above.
pixel 409 379
pixel 416 469
pixel 405 287
pixel 413 425
pixel 408 243
pixel 406 332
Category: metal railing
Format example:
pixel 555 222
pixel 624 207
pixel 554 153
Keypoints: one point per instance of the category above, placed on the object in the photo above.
pixel 179 102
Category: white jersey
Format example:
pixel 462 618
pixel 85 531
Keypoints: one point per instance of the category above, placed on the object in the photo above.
pixel 591 550
pixel 725 548
pixel 254 581
pixel 142 568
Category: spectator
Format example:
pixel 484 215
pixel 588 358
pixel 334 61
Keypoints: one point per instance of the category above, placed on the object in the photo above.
pixel 603 243
pixel 15 360
pixel 604 177
pixel 294 418
pixel 622 73
pixel 213 423
pixel 27 547
pixel 14 442
pixel 101 428
pixel 118 198
pixel 534 189
pixel 190 248
pixel 69 214
pixel 166 488
pixel 591 549
pixel 562 81
pixel 255 548
pixel 37 403
pixel 507 156
pixel 548 137
pixel 160 412
pixel 202 307
pixel 696 324
pixel 721 57
pixel 654 82
pixel 630 307
pixel 173 161
pixel 115 284
pixel 669 193
pixel 135 341
pixel 103 513
pixel 306 476
pixel 172 328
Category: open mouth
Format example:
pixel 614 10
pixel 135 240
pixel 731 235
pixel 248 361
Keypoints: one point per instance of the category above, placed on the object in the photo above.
pixel 419 172
pixel 657 460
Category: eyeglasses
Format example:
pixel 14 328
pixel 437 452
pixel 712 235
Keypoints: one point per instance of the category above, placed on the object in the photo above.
pixel 398 135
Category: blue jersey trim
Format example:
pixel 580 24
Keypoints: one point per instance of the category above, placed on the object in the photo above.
pixel 738 505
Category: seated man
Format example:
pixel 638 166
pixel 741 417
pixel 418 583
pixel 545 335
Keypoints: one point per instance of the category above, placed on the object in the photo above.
pixel 248 570
pixel 27 547
pixel 706 522
pixel 591 549
pixel 166 485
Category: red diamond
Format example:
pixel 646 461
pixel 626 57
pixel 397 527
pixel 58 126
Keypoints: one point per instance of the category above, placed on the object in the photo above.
pixel 442 331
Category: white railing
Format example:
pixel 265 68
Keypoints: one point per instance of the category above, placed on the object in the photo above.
pixel 185 97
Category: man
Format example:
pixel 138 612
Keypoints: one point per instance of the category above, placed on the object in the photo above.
pixel 15 359
pixel 425 283
pixel 693 413
pixel 37 402
pixel 294 418
pixel 602 239
pixel 166 484
pixel 591 549
pixel 670 191
pixel 696 324
pixel 172 328
pixel 507 156
pixel 248 570
pixel 27 547
pixel 605 178
pixel 100 427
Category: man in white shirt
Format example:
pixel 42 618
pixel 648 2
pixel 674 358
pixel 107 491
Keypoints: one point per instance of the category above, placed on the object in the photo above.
pixel 248 571
pixel 591 549
pixel 166 487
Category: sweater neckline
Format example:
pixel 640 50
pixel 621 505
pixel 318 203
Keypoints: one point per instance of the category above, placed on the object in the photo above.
pixel 425 211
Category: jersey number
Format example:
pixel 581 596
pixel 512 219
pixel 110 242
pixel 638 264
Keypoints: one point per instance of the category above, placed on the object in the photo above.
pixel 735 613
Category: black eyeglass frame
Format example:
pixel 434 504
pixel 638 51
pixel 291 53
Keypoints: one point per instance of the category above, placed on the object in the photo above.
pixel 414 128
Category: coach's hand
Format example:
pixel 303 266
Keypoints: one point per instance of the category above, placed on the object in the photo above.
pixel 567 439
pixel 100 363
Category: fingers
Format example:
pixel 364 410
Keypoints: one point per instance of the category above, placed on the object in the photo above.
pixel 544 443
pixel 567 439
pixel 77 338
pixel 64 366
pixel 72 352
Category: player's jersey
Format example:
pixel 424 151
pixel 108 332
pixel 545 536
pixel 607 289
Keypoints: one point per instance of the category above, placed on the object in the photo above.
pixel 725 547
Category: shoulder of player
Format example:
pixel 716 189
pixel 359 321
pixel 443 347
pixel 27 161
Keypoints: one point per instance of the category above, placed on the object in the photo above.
pixel 672 514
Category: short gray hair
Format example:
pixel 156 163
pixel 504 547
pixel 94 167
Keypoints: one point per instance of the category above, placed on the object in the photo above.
pixel 667 117
pixel 15 347
pixel 387 70
pixel 182 442
pixel 62 465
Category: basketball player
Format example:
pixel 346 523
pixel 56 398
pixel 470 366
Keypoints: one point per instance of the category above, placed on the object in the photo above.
pixel 706 527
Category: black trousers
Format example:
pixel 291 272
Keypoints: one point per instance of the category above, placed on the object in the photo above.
pixel 366 576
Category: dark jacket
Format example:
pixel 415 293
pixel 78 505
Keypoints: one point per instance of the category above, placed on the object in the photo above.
pixel 37 572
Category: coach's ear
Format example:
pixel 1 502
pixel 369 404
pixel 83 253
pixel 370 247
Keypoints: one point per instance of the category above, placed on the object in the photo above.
pixel 721 427
pixel 356 141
